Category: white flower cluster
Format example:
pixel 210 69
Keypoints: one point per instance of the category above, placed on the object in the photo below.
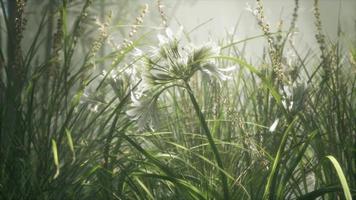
pixel 294 96
pixel 170 64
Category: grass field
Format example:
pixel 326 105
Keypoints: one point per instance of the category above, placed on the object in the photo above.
pixel 98 105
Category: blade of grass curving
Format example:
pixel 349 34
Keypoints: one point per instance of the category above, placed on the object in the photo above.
pixel 245 40
pixel 321 192
pixel 199 26
pixel 341 176
pixel 143 186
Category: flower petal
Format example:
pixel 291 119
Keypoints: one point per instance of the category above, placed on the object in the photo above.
pixel 169 34
pixel 162 39
pixel 274 125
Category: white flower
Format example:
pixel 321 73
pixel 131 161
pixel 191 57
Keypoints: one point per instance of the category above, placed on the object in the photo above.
pixel 288 90
pixel 162 40
pixel 170 65
pixel 170 62
pixel 273 127
pixel 287 105
pixel 290 57
pixel 94 108
pixel 137 52
pixel 215 49
pixel 112 74
pixel 143 110
pixel 249 8
pixel 294 95
pixel 169 36
pixel 212 70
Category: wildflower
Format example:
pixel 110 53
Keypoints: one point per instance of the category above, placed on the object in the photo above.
pixel 294 95
pixel 93 108
pixel 169 37
pixel 288 105
pixel 137 52
pixel 218 72
pixel 170 65
pixel 143 110
pixel 249 8
pixel 273 127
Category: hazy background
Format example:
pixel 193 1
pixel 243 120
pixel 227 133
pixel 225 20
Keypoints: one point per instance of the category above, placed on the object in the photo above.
pixel 221 17
pixel 216 19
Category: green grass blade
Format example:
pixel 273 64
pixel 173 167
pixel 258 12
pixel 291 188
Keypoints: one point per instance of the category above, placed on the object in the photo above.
pixel 252 69
pixel 55 158
pixel 294 162
pixel 194 192
pixel 320 192
pixel 143 186
pixel 211 141
pixel 276 162
pixel 341 176
pixel 70 143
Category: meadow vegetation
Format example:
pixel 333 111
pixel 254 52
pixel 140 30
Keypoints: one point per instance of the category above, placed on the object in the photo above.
pixel 93 109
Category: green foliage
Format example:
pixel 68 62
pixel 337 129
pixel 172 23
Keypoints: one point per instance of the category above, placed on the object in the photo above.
pixel 83 116
pixel 341 176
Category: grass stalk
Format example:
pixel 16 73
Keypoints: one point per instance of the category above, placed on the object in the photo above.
pixel 212 144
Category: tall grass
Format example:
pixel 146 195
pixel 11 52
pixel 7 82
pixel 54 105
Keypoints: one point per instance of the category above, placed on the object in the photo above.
pixel 86 115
